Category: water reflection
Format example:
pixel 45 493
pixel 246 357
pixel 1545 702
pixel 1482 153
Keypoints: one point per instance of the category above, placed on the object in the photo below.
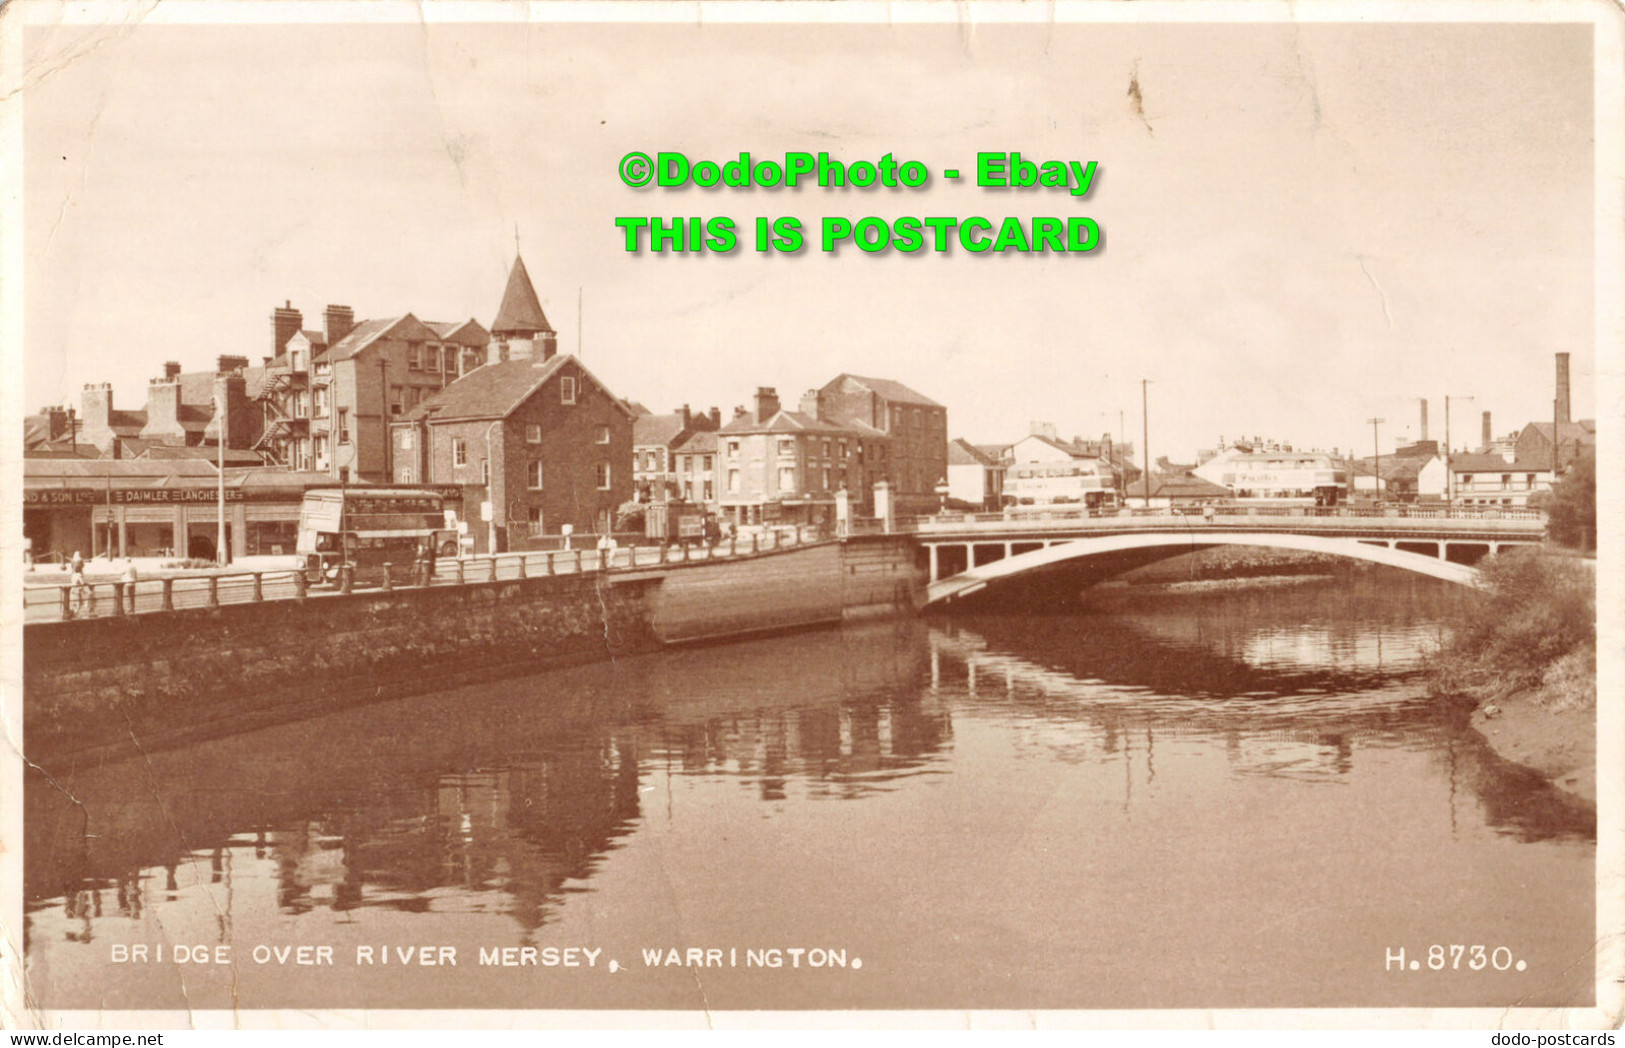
pixel 982 764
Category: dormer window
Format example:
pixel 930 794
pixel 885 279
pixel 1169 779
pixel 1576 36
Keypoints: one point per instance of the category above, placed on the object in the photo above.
pixel 297 361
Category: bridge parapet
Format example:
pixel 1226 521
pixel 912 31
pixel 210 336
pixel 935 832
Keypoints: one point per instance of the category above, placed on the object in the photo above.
pixel 1344 521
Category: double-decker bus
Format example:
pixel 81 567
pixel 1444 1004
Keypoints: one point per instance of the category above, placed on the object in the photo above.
pixel 367 528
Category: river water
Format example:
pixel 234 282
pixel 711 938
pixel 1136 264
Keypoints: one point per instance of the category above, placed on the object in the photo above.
pixel 1230 798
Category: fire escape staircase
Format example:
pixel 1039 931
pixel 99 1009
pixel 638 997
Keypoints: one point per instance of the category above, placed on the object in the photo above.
pixel 273 442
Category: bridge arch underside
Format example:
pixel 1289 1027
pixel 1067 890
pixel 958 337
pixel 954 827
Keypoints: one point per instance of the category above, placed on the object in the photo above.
pixel 1058 573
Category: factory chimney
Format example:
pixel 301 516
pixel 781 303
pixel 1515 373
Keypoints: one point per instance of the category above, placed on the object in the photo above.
pixel 1488 436
pixel 1562 408
pixel 1424 435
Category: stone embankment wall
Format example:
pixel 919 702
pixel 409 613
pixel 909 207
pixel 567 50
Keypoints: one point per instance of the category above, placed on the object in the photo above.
pixel 162 679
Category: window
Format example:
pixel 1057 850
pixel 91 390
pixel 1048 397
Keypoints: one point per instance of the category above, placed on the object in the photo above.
pixel 471 359
pixel 917 422
pixel 733 449
pixel 787 447
pixel 826 478
pixel 733 482
pixel 1506 482
pixel 603 476
pixel 406 440
pixel 301 405
pixel 1529 480
pixel 533 434
pixel 459 452
pixel 408 474
pixel 533 522
pixel 296 360
pixel 533 476
pixel 707 466
pixel 321 401
pixel 321 448
pixel 710 492
pixel 395 399
pixel 603 431
pixel 344 425
pixel 787 478
pixel 826 449
pixel 688 464
pixel 567 390
pixel 414 358
pixel 842 448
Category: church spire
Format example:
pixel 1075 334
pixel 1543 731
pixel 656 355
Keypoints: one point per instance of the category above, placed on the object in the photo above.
pixel 520 315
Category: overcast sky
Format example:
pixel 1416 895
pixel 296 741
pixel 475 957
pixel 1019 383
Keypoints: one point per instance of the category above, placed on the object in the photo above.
pixel 1305 225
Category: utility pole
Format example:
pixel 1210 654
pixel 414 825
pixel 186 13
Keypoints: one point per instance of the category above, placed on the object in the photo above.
pixel 383 411
pixel 220 529
pixel 1145 419
pixel 1376 450
pixel 579 321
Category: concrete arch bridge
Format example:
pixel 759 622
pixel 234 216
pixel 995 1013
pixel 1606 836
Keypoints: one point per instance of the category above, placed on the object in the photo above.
pixel 969 554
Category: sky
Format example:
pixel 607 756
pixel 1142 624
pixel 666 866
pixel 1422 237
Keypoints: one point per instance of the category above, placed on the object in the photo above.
pixel 1304 226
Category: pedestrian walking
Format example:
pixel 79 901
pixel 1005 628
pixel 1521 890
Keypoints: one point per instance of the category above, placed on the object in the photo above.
pixel 129 578
pixel 76 580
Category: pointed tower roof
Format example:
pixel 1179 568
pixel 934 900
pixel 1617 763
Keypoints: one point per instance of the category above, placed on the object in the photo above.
pixel 521 312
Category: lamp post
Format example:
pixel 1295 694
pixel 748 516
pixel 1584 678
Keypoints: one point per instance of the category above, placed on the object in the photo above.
pixel 1145 419
pixel 220 528
pixel 1376 461
pixel 490 490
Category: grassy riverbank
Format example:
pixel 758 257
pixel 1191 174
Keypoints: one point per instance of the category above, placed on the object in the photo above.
pixel 1525 660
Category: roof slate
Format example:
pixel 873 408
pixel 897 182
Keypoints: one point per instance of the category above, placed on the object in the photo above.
pixel 656 429
pixel 890 389
pixel 792 422
pixel 495 390
pixel 962 452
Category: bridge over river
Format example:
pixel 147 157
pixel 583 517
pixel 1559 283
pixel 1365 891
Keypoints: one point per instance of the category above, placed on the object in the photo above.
pixel 969 552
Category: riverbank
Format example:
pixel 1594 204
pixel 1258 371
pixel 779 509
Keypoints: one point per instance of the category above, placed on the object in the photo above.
pixel 1524 660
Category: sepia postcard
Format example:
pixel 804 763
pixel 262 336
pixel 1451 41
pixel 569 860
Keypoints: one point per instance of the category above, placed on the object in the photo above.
pixel 535 514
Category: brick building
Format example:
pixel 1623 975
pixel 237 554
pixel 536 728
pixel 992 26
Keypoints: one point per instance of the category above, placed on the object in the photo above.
pixel 777 466
pixel 916 425
pixel 540 438
pixel 327 395
pixel 695 469
pixel 655 439
pixel 182 410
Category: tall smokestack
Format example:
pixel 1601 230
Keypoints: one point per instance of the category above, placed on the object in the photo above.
pixel 1487 436
pixel 1424 435
pixel 1562 412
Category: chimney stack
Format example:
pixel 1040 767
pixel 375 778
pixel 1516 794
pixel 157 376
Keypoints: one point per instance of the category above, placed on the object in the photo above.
pixel 685 415
pixel 767 403
pixel 338 321
pixel 285 323
pixel 224 365
pixel 1561 414
pixel 1042 429
pixel 809 403
pixel 1488 436
pixel 715 414
pixel 1424 435
pixel 163 413
pixel 172 369
pixel 96 411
